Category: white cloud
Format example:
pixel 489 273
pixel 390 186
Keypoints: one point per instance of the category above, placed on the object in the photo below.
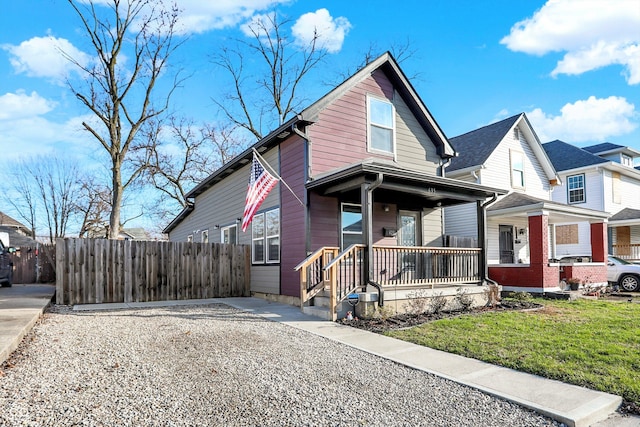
pixel 330 31
pixel 198 16
pixel 593 119
pixel 593 33
pixel 45 57
pixel 14 106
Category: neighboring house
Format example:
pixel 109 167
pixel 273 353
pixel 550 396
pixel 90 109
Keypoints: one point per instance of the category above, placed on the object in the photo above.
pixel 521 225
pixel 136 233
pixel 366 163
pixel 18 233
pixel 601 177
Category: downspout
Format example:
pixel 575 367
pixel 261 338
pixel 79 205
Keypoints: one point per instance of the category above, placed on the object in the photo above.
pixel 443 165
pixel 368 215
pixel 485 264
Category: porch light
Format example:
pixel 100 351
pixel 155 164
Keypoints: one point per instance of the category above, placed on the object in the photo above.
pixel 385 208
pixel 522 231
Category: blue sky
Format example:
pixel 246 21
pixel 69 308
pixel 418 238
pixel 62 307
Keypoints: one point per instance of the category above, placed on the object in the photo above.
pixel 572 65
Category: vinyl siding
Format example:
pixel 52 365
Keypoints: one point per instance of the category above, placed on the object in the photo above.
pixel 339 135
pixel 593 188
pixel 293 230
pixel 460 220
pixel 221 205
pixel 432 227
pixel 583 247
pixel 629 189
pixel 498 168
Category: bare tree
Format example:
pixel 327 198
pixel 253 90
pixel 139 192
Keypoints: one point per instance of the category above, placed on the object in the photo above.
pixel 273 96
pixel 45 188
pixel 93 206
pixel 181 154
pixel 132 41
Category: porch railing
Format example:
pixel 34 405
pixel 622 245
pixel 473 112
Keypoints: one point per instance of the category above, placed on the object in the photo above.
pixel 313 277
pixel 631 251
pixel 413 265
pixel 341 273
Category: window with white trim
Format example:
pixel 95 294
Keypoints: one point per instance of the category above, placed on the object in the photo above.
pixel 265 237
pixel 204 237
pixel 575 188
pixel 382 123
pixel 190 238
pixel 627 160
pixel 229 234
pixel 517 169
pixel 351 225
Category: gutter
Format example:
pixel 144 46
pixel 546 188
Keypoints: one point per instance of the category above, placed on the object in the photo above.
pixel 369 216
pixel 485 263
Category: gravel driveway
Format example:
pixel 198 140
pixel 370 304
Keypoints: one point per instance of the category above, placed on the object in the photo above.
pixel 217 366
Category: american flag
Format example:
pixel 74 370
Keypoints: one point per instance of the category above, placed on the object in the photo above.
pixel 260 183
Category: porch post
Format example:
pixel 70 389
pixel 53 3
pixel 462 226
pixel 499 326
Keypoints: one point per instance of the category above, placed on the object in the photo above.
pixel 367 232
pixel 599 241
pixel 481 214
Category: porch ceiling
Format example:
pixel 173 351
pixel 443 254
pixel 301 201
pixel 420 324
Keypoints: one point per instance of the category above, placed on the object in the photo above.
pixel 435 189
pixel 518 205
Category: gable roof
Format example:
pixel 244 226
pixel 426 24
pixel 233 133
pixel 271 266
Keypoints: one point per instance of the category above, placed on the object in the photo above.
pixel 565 156
pixel 475 147
pixel 401 84
pixel 6 220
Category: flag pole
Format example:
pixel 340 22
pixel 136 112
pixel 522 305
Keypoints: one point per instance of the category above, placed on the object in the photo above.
pixel 266 164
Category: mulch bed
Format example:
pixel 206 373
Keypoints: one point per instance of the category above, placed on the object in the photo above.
pixel 402 321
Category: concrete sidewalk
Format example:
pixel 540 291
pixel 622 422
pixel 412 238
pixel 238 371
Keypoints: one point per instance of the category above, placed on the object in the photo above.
pixel 572 405
pixel 20 308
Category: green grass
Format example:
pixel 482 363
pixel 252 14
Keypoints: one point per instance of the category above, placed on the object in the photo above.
pixel 595 344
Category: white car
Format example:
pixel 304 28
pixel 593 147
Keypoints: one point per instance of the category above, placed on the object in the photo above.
pixel 623 273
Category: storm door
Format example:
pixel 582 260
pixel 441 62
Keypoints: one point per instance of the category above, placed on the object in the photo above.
pixel 506 244
pixel 409 236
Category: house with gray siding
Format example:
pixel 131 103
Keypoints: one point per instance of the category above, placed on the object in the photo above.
pixel 527 228
pixel 362 214
pixel 601 177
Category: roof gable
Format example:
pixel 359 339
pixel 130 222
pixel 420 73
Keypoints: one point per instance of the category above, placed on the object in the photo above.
pixel 565 156
pixel 475 147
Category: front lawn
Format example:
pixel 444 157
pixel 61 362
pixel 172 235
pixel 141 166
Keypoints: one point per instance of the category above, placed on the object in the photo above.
pixel 595 344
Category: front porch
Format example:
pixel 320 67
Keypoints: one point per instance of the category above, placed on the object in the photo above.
pixel 375 229
pixel 624 228
pixel 328 277
pixel 542 227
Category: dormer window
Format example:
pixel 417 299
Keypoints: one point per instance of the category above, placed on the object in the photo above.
pixel 627 160
pixel 382 123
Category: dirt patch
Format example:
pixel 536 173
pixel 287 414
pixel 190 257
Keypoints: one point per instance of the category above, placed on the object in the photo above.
pixel 402 321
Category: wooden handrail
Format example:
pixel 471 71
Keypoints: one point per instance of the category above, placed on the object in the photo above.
pixel 314 256
pixel 343 255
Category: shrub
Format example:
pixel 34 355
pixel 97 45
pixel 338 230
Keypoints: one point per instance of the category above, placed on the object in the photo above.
pixel 464 300
pixel 437 303
pixel 417 302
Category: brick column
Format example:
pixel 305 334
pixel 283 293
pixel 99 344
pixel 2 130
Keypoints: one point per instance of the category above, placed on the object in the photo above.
pixel 599 242
pixel 539 239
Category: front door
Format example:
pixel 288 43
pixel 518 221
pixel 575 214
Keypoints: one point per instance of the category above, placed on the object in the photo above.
pixel 408 236
pixel 506 244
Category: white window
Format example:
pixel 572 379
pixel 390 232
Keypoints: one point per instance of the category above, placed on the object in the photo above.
pixel 265 237
pixel 229 234
pixel 190 238
pixel 204 237
pixel 382 123
pixel 517 169
pixel 627 160
pixel 351 225
pixel 575 186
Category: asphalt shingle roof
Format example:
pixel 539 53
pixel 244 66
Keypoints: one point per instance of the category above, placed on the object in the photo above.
pixel 565 156
pixel 626 213
pixel 476 146
pixel 515 200
pixel 599 148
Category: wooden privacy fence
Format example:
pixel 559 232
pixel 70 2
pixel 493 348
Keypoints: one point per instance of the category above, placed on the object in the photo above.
pixel 34 264
pixel 104 271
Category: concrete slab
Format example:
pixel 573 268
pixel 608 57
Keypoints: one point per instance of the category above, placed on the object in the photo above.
pixel 20 308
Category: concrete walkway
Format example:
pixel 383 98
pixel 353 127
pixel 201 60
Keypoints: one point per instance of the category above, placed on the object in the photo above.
pixel 21 306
